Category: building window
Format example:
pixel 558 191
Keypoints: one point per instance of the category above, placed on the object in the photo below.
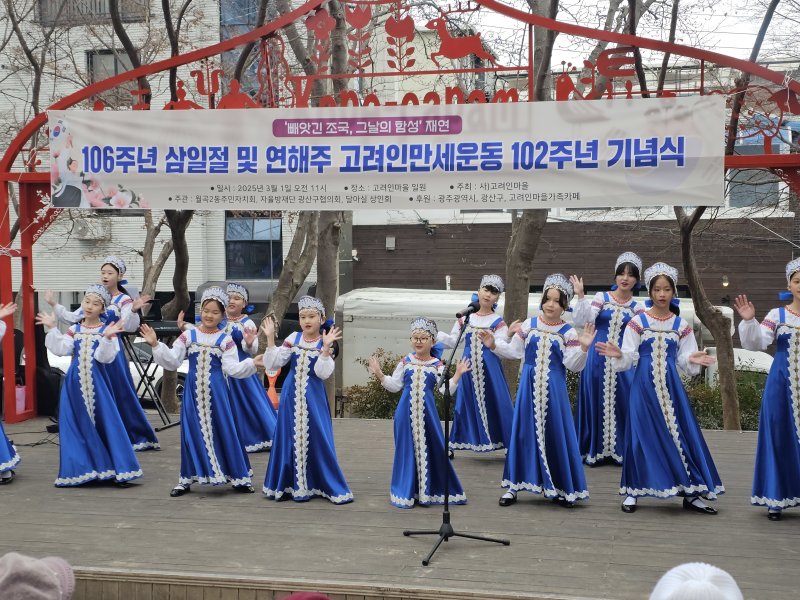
pixel 253 245
pixel 69 13
pixel 102 64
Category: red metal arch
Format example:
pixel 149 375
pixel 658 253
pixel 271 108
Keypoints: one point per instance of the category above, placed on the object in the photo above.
pixel 34 183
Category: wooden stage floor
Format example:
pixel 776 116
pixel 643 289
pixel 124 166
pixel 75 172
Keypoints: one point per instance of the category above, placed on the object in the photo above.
pixel 139 543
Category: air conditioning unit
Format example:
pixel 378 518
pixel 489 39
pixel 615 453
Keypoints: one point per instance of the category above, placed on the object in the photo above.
pixel 92 229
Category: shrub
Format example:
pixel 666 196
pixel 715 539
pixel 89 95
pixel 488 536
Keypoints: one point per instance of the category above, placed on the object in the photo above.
pixel 706 400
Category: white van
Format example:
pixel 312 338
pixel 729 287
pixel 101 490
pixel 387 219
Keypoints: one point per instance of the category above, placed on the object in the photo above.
pixel 373 318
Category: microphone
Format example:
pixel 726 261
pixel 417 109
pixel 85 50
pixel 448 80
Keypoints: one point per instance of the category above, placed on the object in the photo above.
pixel 471 308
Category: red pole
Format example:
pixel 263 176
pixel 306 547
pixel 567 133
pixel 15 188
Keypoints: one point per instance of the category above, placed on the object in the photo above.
pixel 6 296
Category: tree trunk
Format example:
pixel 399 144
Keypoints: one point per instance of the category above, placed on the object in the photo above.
pixel 526 230
pixel 718 324
pixel 178 222
pixel 152 268
pixel 330 227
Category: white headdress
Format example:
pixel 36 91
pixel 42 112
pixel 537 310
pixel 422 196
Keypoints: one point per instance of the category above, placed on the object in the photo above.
pixel 696 581
pixel 493 281
pixel 559 282
pixel 214 293
pixel 238 288
pixel 99 290
pixel 792 267
pixel 307 302
pixel 629 257
pixel 117 263
pixel 661 268
pixel 424 324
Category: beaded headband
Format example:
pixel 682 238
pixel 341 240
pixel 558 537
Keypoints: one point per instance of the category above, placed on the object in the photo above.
pixel 421 323
pixel 238 288
pixel 493 281
pixel 117 263
pixel 214 293
pixel 309 302
pixel 629 257
pixel 661 268
pixel 559 282
pixel 99 290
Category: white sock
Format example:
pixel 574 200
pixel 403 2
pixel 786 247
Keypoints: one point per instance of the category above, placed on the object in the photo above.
pixel 510 494
pixel 629 501
pixel 5 475
pixel 697 501
pixel 775 509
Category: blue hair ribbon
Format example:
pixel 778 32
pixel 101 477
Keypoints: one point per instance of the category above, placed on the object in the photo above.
pixel 437 350
pixel 636 286
pixel 474 298
pixel 785 296
pixel 123 282
pixel 249 308
pixel 326 326
pixel 676 302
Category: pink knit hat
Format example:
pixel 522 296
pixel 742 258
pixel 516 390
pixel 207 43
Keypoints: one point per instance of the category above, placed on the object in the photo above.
pixel 696 581
pixel 26 578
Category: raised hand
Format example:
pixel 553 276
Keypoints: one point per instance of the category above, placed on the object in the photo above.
pixel 112 329
pixel 46 319
pixel 181 323
pixel 609 349
pixel 577 285
pixel 149 335
pixel 249 336
pixel 6 310
pixel 50 297
pixel 374 367
pixel 268 329
pixel 463 366
pixel 332 335
pixel 701 358
pixel 587 336
pixel 744 307
pixel 514 327
pixel 487 338
pixel 140 302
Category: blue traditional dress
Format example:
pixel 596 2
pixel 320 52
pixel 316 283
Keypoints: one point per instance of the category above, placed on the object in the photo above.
pixel 419 454
pixel 303 462
pixel 483 409
pixel 93 444
pixel 543 455
pixel 776 481
pixel 665 454
pixel 603 393
pixel 8 453
pixel 139 430
pixel 253 412
pixel 211 452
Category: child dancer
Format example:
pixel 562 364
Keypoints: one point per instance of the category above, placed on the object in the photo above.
pixel 543 455
pixel 211 452
pixel 776 481
pixel 253 412
pixel 483 410
pixel 93 444
pixel 125 310
pixel 8 453
pixel 303 462
pixel 665 454
pixel 603 393
pixel 418 474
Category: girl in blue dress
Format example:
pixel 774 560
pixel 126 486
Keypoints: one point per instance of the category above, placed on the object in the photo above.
pixel 603 393
pixel 665 454
pixel 125 310
pixel 302 463
pixel 92 440
pixel 211 452
pixel 776 480
pixel 543 455
pixel 253 412
pixel 483 409
pixel 419 453
pixel 9 458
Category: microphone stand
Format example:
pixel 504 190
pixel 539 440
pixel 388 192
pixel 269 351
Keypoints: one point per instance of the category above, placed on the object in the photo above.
pixel 446 531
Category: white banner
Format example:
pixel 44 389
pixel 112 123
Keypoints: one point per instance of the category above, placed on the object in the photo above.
pixel 578 154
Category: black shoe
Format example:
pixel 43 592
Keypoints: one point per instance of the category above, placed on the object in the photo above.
pixel 628 508
pixel 774 515
pixel 7 480
pixel 451 454
pixel 283 498
pixel 565 503
pixel 690 505
pixel 244 489
pixel 179 490
pixel 506 501
pixel 122 484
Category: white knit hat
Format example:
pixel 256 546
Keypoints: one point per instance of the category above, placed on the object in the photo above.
pixel 696 581
pixel 26 578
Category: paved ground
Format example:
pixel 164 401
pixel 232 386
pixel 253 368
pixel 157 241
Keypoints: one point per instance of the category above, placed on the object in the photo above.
pixel 592 551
